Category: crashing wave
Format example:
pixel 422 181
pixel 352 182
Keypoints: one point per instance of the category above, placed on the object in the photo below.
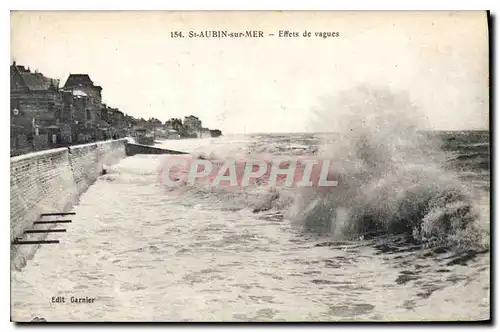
pixel 387 182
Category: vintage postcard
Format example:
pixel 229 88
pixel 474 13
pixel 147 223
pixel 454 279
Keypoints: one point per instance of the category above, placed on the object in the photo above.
pixel 232 166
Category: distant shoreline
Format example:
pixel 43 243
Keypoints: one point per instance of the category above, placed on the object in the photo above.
pixel 331 132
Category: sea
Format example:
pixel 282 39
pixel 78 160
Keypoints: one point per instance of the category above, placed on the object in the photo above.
pixel 405 236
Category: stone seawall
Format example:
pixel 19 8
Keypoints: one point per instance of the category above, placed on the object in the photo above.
pixel 52 180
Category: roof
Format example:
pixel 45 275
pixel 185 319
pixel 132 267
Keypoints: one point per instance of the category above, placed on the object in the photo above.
pixel 38 82
pixel 34 81
pixel 22 69
pixel 79 80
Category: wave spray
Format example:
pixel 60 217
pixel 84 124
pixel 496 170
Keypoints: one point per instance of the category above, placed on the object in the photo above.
pixel 392 178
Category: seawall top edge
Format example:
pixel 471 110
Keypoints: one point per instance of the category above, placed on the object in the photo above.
pixel 37 154
pixel 49 152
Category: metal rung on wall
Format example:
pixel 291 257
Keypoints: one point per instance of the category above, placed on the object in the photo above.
pixel 58 214
pixel 19 242
pixel 32 231
pixel 50 222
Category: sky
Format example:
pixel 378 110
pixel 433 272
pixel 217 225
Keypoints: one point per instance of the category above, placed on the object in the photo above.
pixel 269 84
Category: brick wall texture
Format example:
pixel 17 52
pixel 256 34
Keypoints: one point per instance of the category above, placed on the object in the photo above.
pixel 52 180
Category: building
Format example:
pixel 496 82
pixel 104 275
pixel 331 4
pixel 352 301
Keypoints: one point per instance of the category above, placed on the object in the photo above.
pixel 215 132
pixel 115 119
pixel 83 100
pixel 113 116
pixel 35 109
pixel 34 98
pixel 83 83
pixel 169 125
pixel 81 109
pixel 192 124
pixel 204 133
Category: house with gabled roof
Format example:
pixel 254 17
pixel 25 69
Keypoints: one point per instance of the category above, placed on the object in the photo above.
pixel 83 83
pixel 85 101
pixel 34 97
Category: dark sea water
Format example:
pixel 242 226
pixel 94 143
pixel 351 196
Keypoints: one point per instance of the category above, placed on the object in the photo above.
pixel 405 236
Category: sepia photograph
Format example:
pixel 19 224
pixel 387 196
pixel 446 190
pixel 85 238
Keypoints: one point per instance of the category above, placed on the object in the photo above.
pixel 250 166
